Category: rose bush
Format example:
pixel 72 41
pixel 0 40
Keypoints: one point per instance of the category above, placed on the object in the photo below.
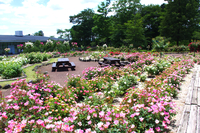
pixel 49 107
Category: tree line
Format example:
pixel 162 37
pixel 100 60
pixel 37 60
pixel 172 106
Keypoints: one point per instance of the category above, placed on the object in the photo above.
pixel 132 23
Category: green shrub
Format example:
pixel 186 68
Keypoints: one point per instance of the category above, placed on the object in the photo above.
pixel 2 67
pixel 143 77
pixel 2 57
pixel 123 84
pixel 160 43
pixel 152 70
pixel 37 57
pixel 11 70
pixel 181 48
pixel 78 86
pixel 157 68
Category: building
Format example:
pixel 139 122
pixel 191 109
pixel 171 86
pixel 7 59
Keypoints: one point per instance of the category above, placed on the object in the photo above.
pixel 11 41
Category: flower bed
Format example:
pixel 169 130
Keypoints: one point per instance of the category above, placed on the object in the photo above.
pixel 86 104
pixel 75 53
pixel 93 56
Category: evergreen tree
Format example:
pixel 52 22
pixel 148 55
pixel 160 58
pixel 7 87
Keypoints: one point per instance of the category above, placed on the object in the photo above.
pixel 82 31
pixel 125 11
pixel 151 16
pixel 135 32
pixel 102 22
pixel 64 34
pixel 180 19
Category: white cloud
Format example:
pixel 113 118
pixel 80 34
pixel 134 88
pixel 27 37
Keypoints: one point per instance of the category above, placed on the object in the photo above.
pixel 6 1
pixel 5 8
pixel 56 12
pixel 3 27
pixel 4 19
pixel 56 7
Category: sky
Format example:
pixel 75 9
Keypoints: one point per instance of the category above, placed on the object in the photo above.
pixel 31 16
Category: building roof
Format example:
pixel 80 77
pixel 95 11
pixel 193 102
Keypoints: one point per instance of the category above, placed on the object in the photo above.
pixel 14 38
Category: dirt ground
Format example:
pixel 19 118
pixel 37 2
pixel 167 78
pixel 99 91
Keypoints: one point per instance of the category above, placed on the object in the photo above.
pixel 61 76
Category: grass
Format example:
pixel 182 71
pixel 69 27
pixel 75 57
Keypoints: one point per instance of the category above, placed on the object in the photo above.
pixel 31 75
pixel 6 82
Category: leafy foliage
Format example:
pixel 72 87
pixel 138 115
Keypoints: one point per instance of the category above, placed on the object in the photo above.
pixel 82 31
pixel 180 20
pixel 160 43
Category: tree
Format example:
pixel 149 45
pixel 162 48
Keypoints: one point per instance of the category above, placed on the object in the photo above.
pixel 64 34
pixel 196 35
pixel 82 31
pixel 151 21
pixel 125 11
pixel 117 33
pixel 103 9
pixel 135 32
pixel 60 32
pixel 101 22
pixel 39 33
pixel 180 20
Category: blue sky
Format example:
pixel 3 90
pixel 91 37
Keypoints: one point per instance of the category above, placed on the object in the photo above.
pixel 30 16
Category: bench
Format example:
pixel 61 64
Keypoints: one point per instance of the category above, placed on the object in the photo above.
pixel 65 67
pixel 54 67
pixel 102 64
pixel 73 66
pixel 122 64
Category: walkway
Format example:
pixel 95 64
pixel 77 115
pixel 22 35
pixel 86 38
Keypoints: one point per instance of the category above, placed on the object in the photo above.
pixel 190 121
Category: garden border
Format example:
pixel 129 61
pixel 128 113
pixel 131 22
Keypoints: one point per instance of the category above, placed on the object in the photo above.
pixel 43 64
pixel 23 76
pixel 126 62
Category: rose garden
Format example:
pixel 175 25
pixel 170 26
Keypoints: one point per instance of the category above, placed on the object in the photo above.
pixel 134 98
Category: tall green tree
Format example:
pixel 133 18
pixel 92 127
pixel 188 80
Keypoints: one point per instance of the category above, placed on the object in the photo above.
pixel 151 21
pixel 81 32
pixel 135 32
pixel 196 35
pixel 60 32
pixel 124 11
pixel 180 19
pixel 102 22
pixel 64 34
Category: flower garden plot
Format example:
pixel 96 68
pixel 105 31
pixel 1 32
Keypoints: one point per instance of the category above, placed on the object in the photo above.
pixel 86 103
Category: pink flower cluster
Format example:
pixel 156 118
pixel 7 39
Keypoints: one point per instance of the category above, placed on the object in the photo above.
pixel 75 53
pixel 74 44
pixel 20 46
